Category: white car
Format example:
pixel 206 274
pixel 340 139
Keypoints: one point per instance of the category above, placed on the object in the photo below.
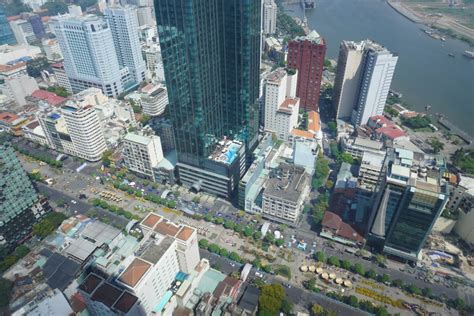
pixel 73 201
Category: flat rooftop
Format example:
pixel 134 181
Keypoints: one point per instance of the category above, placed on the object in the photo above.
pixel 151 220
pixel 289 185
pixel 185 233
pixel 154 252
pixel 139 139
pixel 226 151
pixel 167 228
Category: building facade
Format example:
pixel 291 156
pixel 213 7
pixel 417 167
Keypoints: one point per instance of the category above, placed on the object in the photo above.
pixel 364 75
pixel 90 58
pixel 269 17
pixel 6 34
pixel 20 205
pixel 23 32
pixel 408 202
pixel 213 90
pixel 124 26
pixel 306 54
pixel 142 153
pixel 281 105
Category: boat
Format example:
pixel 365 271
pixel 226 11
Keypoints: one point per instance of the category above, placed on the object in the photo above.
pixel 451 55
pixel 307 4
pixel 468 54
pixel 443 39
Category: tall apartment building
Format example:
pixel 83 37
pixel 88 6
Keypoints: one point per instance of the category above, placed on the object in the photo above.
pixel 23 32
pixel 281 105
pixel 306 54
pixel 6 34
pixel 36 24
pixel 142 153
pixel 90 58
pixel 213 91
pixel 20 205
pixel 145 16
pixel 408 202
pixel 123 23
pixel 269 17
pixel 52 50
pixel 364 75
pixel 61 76
pixel 75 130
pixel 154 62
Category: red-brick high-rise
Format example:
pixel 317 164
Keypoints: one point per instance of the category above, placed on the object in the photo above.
pixel 306 54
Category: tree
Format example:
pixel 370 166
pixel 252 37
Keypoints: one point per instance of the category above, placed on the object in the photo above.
pixel 380 259
pixel 427 292
pixel 203 243
pixel 371 274
pixel 34 67
pixel 248 231
pixel 310 284
pixel 270 300
pixel 145 119
pixel 223 252
pixel 213 248
pixel 346 264
pixel 417 122
pixel 229 224
pixel 269 237
pixel 413 289
pixel 320 256
pixel 329 184
pixel 257 235
pixel 352 301
pixel 257 263
pixel 267 268
pixel 55 7
pixel 21 251
pixel 279 242
pixel 385 278
pixel 332 127
pixel 238 228
pixel 317 309
pixel 283 271
pixel 436 145
pixel 334 261
pixel 398 283
pixel 359 269
pixel 286 306
pixel 106 158
pixel 218 220
pixel 234 256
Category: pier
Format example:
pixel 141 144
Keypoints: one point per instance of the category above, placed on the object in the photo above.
pixel 457 131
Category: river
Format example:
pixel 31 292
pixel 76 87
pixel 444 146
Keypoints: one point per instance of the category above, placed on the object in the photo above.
pixel 425 74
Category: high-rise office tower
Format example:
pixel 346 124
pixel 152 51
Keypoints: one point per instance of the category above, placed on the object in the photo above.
pixel 269 17
pixel 408 201
pixel 306 53
pixel 211 57
pixel 20 205
pixel 123 23
pixel 23 32
pixel 36 25
pixel 6 34
pixel 90 58
pixel 364 75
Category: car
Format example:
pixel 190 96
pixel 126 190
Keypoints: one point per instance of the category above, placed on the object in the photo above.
pixel 73 201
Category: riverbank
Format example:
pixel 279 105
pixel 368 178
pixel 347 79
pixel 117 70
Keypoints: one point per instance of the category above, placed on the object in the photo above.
pixel 444 23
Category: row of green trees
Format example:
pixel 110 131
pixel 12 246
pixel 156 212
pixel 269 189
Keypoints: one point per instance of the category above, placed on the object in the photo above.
pixel 13 257
pixel 114 209
pixel 38 156
pixel 364 305
pixel 272 300
pixel 214 248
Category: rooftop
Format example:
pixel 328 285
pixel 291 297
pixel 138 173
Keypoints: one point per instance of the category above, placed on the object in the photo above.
pixel 289 185
pixel 100 233
pixel 185 233
pixel 249 300
pixel 391 132
pixel 48 97
pixel 151 220
pixel 7 118
pixel 167 228
pixel 125 302
pixel 91 282
pixel 313 37
pixel 368 143
pixel 107 294
pixel 134 272
pixel 226 151
pixel 154 251
pixel 276 76
pixel 288 105
pixel 314 123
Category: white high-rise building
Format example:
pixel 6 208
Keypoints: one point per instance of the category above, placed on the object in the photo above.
pixel 16 88
pixel 90 59
pixel 281 103
pixel 153 99
pixel 123 23
pixel 74 10
pixel 85 130
pixel 364 75
pixel 142 153
pixel 269 17
pixel 52 49
pixel 145 16
pixel 23 32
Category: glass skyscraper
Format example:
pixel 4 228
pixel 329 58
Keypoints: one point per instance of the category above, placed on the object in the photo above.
pixel 6 34
pixel 211 57
pixel 20 205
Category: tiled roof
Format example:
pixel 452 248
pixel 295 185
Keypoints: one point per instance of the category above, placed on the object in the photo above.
pixel 7 118
pixel 134 272
pixel 313 121
pixel 6 68
pixel 346 231
pixel 167 228
pixel 125 302
pixel 391 132
pixel 301 133
pixel 185 233
pixel 49 97
pixel 331 220
pixel 90 283
pixel 151 220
